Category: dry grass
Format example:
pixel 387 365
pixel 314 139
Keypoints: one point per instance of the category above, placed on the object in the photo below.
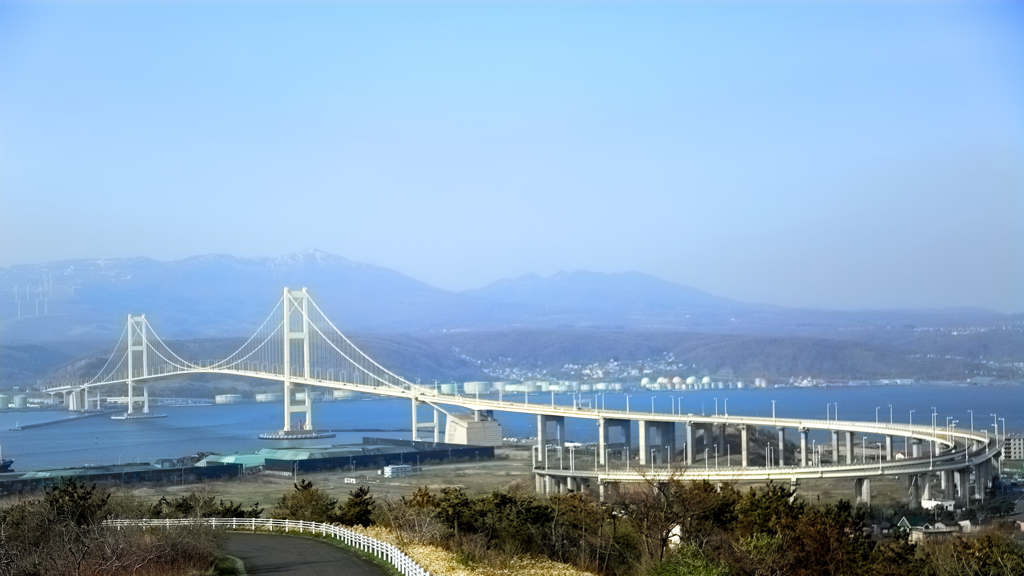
pixel 443 562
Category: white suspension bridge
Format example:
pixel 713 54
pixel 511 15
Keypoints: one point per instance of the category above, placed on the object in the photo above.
pixel 299 346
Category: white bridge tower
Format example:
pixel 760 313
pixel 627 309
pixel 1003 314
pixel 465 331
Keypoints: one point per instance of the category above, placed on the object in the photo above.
pixel 138 360
pixel 296 357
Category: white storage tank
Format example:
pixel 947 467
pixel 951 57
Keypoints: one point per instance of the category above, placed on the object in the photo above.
pixel 601 386
pixel 531 387
pixel 472 388
pixel 5 402
pixel 269 397
pixel 227 398
pixel 343 394
pixel 586 388
pixel 450 388
pixel 645 382
pixel 21 401
pixel 617 386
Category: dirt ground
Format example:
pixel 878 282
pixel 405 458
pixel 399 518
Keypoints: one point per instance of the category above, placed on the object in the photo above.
pixel 513 465
pixel 476 477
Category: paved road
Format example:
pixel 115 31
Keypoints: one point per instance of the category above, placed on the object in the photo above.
pixel 266 554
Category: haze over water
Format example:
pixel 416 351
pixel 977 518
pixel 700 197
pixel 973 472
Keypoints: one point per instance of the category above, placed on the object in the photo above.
pixel 233 428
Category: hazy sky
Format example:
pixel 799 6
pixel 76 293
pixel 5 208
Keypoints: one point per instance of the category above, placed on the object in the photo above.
pixel 844 155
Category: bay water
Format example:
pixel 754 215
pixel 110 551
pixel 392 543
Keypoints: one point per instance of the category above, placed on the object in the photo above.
pixel 231 428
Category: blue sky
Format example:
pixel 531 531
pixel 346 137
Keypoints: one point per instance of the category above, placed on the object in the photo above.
pixel 842 155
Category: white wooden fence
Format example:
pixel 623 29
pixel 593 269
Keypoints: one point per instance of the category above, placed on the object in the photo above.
pixel 383 550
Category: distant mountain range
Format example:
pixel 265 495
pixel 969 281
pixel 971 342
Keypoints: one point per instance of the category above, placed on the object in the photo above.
pixel 223 296
pixel 76 309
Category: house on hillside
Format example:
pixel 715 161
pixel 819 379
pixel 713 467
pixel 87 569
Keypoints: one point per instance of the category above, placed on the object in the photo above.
pixel 921 529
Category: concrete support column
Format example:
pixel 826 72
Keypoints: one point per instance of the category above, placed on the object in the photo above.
pixel 915 447
pixel 602 428
pixel 131 396
pixel 415 419
pixel 835 446
pixel 538 483
pixel 542 440
pixel 803 447
pixel 544 437
pixel 782 446
pixel 668 441
pixel 925 481
pixel 888 448
pixel 145 399
pixel 862 488
pixel 720 437
pixel 659 437
pixel 690 446
pixel 849 447
pixel 644 429
pixel 627 438
pixel 601 490
pixel 744 446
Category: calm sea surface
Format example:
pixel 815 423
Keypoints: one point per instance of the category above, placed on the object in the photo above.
pixel 233 428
